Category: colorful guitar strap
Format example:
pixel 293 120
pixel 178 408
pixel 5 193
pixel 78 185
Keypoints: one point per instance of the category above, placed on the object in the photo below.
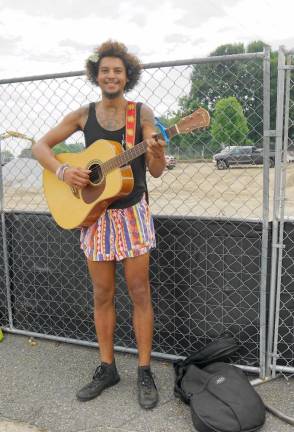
pixel 130 124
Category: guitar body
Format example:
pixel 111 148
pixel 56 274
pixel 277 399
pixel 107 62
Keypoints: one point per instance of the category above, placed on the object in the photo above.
pixel 73 208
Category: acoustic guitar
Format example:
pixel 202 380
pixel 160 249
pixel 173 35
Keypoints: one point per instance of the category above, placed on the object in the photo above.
pixel 110 178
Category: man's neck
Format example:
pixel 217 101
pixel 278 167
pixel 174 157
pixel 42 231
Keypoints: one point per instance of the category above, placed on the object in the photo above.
pixel 116 103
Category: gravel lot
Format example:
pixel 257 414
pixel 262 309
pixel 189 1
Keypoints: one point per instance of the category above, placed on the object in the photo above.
pixel 190 189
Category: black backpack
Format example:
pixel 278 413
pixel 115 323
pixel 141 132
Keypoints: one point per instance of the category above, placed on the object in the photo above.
pixel 217 350
pixel 219 394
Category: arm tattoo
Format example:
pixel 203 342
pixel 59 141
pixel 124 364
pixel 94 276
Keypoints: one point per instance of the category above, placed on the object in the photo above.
pixel 147 116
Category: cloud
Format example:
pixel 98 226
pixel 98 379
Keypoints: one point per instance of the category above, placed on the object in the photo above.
pixel 51 56
pixel 198 41
pixel 76 45
pixel 59 35
pixel 287 42
pixel 140 19
pixel 176 38
pixel 196 12
pixel 63 9
pixel 9 45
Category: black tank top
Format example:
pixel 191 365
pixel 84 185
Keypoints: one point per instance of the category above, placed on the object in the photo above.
pixel 93 131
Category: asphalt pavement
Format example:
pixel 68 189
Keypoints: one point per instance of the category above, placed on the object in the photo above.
pixel 39 380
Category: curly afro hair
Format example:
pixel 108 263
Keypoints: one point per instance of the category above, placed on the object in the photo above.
pixel 114 49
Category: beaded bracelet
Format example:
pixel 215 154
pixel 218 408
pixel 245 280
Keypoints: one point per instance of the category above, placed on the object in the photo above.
pixel 61 170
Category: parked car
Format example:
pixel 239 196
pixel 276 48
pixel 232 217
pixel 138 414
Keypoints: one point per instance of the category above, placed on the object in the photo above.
pixel 241 155
pixel 290 156
pixel 170 162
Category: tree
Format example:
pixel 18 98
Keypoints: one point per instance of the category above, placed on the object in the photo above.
pixel 6 156
pixel 185 146
pixel 229 49
pixel 67 148
pixel 255 46
pixel 229 125
pixel 211 82
pixel 59 148
pixel 26 153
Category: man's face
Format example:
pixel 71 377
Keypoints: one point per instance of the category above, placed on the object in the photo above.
pixel 112 77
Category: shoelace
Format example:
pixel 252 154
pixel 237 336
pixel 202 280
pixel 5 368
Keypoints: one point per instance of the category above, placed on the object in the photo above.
pixel 147 380
pixel 99 372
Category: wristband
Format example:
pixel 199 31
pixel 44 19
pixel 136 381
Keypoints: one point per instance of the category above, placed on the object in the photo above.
pixel 60 171
pixel 162 130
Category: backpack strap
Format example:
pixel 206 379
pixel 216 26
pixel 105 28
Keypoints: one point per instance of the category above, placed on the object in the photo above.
pixel 130 124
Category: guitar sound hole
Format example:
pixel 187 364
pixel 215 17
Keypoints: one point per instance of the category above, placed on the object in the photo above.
pixel 96 174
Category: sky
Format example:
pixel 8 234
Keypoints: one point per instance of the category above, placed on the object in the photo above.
pixel 52 36
pixel 42 36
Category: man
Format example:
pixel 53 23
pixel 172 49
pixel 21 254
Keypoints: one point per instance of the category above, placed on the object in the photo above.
pixel 125 230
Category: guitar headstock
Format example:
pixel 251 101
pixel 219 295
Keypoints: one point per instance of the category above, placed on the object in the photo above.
pixel 197 120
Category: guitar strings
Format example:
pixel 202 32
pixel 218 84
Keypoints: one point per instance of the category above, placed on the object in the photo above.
pixel 95 170
pixel 98 168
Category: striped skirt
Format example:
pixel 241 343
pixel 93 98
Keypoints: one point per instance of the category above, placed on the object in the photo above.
pixel 119 233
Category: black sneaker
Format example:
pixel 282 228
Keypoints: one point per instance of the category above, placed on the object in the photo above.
pixel 147 391
pixel 105 375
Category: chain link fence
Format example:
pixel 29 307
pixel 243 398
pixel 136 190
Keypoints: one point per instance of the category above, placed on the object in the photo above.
pixel 209 271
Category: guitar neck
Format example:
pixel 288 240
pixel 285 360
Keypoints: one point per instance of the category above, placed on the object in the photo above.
pixel 134 152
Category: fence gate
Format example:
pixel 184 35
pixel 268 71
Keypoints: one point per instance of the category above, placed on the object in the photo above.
pixel 281 311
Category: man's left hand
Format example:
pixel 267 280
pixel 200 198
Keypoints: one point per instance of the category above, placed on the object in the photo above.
pixel 155 147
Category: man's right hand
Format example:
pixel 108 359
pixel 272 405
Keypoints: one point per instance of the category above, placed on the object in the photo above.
pixel 76 177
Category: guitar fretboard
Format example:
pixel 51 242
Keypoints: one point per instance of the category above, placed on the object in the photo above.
pixel 123 158
pixel 132 153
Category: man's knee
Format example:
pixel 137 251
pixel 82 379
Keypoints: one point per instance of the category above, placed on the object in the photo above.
pixel 139 292
pixel 103 295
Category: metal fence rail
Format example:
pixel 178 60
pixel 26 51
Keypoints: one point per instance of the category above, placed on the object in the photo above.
pixel 281 352
pixel 209 273
pixel 5 304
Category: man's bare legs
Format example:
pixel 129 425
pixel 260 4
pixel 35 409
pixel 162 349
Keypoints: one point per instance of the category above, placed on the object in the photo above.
pixel 106 375
pixel 103 279
pixel 137 278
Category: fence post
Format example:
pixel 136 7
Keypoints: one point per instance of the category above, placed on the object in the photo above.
pixel 276 206
pixel 4 239
pixel 281 220
pixel 265 216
